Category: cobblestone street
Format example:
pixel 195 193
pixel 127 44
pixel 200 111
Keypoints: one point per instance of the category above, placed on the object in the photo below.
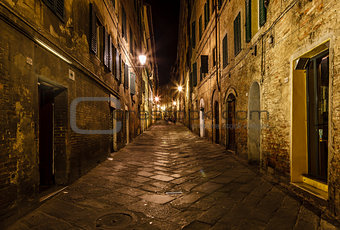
pixel 168 178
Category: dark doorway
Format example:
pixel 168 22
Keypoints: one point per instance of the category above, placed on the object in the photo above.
pixel 231 123
pixel 217 119
pixel 317 114
pixel 46 136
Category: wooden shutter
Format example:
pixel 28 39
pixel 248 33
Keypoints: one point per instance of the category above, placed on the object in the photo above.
pixel 126 76
pixel 110 45
pixel 237 34
pixel 194 80
pixel 248 20
pixel 105 48
pixel 220 3
pixel 57 6
pixel 123 23
pixel 262 13
pixel 193 31
pixel 93 30
pixel 200 28
pixel 205 16
pixel 225 51
pixel 132 83
pixel 208 10
pixel 204 63
pixel 117 66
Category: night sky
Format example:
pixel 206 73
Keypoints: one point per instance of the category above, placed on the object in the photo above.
pixel 165 20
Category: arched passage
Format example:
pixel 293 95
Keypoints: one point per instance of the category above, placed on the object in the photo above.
pixel 254 123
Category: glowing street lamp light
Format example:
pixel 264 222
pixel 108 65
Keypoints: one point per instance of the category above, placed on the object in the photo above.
pixel 157 99
pixel 142 59
pixel 174 103
pixel 180 88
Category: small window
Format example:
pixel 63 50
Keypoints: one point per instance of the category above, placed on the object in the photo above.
pixel 57 6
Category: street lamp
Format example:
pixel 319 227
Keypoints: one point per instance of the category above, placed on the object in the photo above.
pixel 142 59
pixel 157 99
pixel 174 103
pixel 180 88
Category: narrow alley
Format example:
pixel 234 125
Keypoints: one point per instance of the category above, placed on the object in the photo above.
pixel 169 178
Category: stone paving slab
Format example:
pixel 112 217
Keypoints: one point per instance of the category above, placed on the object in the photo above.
pixel 168 178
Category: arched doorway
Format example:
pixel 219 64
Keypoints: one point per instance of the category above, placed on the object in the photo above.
pixel 231 122
pixel 202 118
pixel 254 123
pixel 217 119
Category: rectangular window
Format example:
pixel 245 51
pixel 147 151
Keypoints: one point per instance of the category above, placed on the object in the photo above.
pixel 200 27
pixel 57 7
pixel 237 34
pixel 225 50
pixel 205 64
pixel 193 34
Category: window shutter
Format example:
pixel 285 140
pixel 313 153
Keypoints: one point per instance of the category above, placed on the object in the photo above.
pixel 263 13
pixel 204 63
pixel 191 79
pixel 132 83
pixel 110 45
pixel 237 34
pixel 123 23
pixel 105 47
pixel 194 80
pixel 225 51
pixel 57 6
pixel 200 28
pixel 248 20
pixel 93 30
pixel 193 31
pixel 126 76
pixel 208 11
pixel 205 16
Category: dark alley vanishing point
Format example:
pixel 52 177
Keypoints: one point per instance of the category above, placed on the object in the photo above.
pixel 169 178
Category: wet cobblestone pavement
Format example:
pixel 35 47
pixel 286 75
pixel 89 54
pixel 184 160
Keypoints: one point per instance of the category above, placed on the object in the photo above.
pixel 168 178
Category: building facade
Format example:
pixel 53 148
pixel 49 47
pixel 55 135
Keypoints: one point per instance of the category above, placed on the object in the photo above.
pixel 261 77
pixel 72 91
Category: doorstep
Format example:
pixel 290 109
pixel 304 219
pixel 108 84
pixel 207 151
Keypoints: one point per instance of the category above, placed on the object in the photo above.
pixel 314 187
